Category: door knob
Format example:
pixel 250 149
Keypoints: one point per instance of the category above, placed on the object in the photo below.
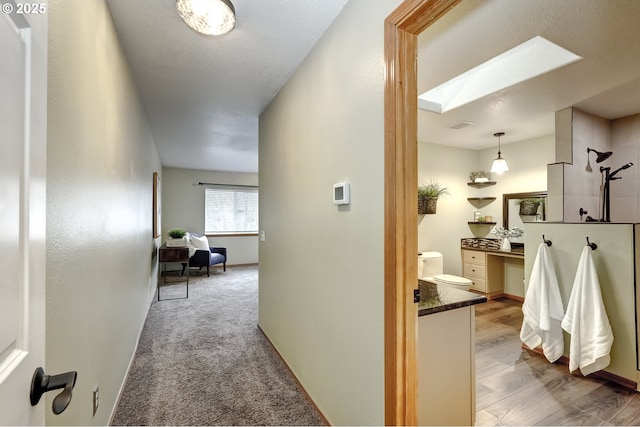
pixel 41 383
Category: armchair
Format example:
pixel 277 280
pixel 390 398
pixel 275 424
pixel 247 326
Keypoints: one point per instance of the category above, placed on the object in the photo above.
pixel 206 257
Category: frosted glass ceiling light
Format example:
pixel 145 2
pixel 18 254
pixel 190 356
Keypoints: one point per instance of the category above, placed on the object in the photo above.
pixel 210 17
pixel 499 164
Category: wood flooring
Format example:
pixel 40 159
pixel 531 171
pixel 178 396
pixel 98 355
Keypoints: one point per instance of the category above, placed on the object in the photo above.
pixel 515 386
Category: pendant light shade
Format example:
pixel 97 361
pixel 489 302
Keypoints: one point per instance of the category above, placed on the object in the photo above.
pixel 210 17
pixel 499 164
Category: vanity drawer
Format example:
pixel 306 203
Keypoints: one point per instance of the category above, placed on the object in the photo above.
pixel 478 284
pixel 474 270
pixel 473 257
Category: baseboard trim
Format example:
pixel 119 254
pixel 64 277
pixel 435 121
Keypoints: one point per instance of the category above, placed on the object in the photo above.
pixel 513 297
pixel 603 375
pixel 324 419
pixel 133 357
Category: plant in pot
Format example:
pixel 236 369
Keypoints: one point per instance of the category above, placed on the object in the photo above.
pixel 530 205
pixel 480 176
pixel 428 195
pixel 177 238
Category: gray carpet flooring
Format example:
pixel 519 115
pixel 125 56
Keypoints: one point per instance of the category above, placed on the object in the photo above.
pixel 204 361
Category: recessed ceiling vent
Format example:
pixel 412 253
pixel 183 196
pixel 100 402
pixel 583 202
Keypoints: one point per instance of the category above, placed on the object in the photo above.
pixel 462 124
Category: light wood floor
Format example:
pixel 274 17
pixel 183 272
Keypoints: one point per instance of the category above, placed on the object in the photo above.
pixel 518 387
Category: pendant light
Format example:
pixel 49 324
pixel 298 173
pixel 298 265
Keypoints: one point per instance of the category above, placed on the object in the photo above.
pixel 499 164
pixel 209 17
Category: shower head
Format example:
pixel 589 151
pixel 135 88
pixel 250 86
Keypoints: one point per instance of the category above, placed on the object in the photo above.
pixel 623 167
pixel 601 157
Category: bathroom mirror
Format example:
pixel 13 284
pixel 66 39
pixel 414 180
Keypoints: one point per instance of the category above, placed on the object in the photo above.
pixel 517 208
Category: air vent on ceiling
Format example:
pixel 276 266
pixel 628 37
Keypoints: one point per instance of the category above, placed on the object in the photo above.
pixel 462 124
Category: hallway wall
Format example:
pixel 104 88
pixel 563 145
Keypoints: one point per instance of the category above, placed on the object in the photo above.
pixel 321 265
pixel 101 264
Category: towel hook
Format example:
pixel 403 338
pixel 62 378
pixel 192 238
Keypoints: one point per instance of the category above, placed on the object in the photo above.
pixel 547 242
pixel 593 246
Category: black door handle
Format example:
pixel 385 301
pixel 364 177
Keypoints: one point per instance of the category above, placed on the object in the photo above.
pixel 41 383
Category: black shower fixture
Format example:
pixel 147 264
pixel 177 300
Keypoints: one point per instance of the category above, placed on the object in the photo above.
pixel 601 156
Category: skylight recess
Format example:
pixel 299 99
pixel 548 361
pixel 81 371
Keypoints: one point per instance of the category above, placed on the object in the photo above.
pixel 526 61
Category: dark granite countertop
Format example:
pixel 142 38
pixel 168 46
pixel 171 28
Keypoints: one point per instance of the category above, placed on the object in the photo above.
pixel 517 251
pixel 446 298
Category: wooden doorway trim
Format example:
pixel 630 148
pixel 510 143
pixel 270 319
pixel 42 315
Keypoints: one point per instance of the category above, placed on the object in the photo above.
pixel 401 29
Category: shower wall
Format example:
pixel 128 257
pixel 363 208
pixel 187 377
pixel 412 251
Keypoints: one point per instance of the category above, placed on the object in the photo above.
pixel 574 181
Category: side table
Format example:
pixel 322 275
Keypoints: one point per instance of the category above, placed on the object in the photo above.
pixel 174 254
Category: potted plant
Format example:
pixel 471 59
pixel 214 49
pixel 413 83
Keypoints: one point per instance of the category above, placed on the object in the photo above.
pixel 428 195
pixel 480 176
pixel 177 238
pixel 529 206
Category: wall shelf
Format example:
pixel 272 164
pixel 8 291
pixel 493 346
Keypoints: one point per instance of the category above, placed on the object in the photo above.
pixel 481 184
pixel 481 223
pixel 481 199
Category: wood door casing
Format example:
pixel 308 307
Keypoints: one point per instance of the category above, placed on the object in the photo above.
pixel 401 215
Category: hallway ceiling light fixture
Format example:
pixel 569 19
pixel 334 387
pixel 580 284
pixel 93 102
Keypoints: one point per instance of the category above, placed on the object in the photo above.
pixel 209 17
pixel 499 164
pixel 526 61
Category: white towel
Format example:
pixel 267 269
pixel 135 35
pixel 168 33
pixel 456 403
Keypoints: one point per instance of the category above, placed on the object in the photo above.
pixel 543 309
pixel 586 320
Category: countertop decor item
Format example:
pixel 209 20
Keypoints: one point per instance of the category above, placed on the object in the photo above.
pixel 177 238
pixel 428 195
pixel 505 234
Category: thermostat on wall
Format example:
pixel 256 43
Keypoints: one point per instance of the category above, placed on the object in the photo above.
pixel 341 193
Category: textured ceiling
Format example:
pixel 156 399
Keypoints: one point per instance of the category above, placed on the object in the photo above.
pixel 204 94
pixel 606 82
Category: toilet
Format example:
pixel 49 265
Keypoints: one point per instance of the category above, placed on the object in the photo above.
pixel 430 266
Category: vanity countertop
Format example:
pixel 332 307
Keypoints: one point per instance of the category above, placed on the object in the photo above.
pixel 447 298
pixel 516 252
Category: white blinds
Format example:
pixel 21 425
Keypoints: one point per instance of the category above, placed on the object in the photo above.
pixel 230 210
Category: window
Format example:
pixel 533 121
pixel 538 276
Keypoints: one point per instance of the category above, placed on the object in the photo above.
pixel 231 210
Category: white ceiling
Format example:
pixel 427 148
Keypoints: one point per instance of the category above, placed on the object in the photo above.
pixel 204 94
pixel 606 33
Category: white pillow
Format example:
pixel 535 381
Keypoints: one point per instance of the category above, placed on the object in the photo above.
pixel 200 243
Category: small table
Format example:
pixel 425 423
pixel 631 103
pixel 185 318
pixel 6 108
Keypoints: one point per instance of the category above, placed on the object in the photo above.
pixel 173 254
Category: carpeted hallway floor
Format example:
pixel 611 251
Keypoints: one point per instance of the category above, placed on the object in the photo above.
pixel 203 361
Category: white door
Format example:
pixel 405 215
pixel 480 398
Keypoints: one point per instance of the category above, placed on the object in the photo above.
pixel 22 211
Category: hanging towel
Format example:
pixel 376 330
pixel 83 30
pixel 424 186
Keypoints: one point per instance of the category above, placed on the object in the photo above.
pixel 543 309
pixel 586 320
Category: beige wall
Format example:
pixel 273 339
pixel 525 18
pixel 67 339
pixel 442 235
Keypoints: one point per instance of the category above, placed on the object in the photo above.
pixel 451 167
pixel 625 193
pixel 101 268
pixel 183 207
pixel 321 266
pixel 443 230
pixel 614 261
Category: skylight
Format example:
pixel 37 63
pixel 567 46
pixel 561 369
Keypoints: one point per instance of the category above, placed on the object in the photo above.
pixel 526 61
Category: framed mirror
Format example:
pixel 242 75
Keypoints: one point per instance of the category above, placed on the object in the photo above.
pixel 518 208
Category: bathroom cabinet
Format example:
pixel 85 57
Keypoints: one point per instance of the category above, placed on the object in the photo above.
pixel 446 356
pixel 446 371
pixel 485 272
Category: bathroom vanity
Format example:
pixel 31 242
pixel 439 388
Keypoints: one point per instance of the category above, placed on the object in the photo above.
pixel 446 355
pixel 490 269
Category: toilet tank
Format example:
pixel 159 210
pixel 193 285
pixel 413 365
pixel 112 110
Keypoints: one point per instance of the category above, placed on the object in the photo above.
pixel 430 264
